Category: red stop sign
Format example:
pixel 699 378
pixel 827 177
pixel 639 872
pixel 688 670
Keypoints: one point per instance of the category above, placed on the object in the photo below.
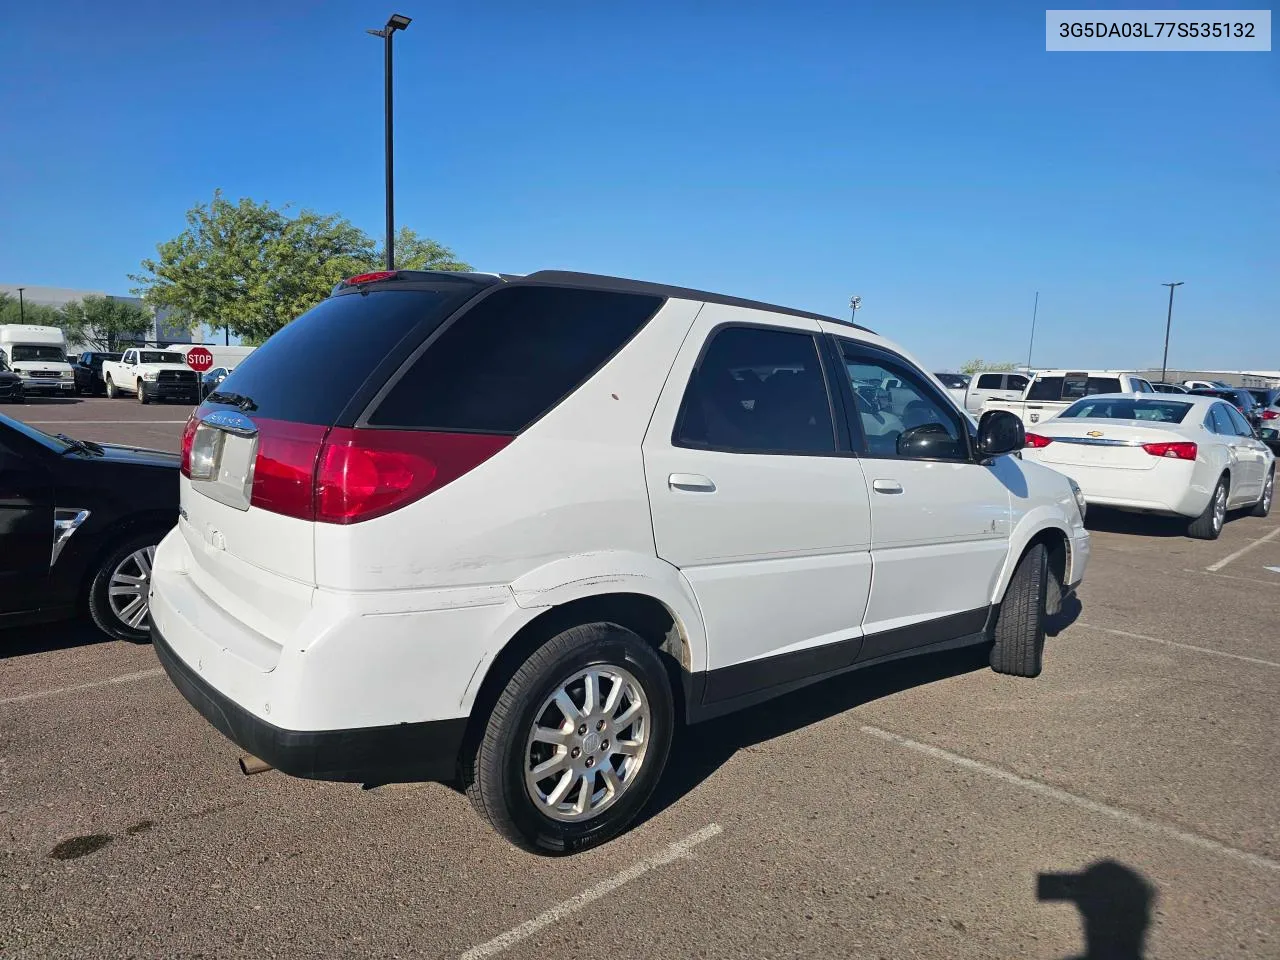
pixel 199 359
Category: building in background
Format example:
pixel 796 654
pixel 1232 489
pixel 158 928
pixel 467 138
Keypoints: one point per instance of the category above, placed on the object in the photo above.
pixel 165 327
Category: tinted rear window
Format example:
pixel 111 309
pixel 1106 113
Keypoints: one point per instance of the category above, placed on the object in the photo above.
pixel 1046 388
pixel 1161 411
pixel 309 371
pixel 512 357
pixel 991 381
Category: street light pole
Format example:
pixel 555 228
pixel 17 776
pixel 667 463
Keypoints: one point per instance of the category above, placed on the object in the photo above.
pixel 395 22
pixel 1034 310
pixel 1164 364
pixel 22 306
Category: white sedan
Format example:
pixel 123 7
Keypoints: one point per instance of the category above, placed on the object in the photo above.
pixel 1187 456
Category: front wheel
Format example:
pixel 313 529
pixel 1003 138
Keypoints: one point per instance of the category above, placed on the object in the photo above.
pixel 119 593
pixel 112 390
pixel 1208 525
pixel 142 393
pixel 1019 632
pixel 576 742
pixel 1263 506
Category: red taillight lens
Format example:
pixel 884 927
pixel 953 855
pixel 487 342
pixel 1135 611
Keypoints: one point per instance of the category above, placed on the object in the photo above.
pixel 1269 415
pixel 285 468
pixel 368 473
pixel 1035 441
pixel 188 434
pixel 373 277
pixel 1174 451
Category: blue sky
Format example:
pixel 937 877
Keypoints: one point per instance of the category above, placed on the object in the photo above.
pixel 931 157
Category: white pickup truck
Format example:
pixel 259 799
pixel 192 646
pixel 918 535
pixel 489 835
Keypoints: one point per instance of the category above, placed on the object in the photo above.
pixel 1052 391
pixel 151 375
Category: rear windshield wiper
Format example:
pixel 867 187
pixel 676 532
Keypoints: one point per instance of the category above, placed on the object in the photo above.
pixel 234 399
pixel 81 446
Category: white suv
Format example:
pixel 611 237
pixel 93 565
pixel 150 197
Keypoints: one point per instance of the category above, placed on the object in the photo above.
pixel 506 532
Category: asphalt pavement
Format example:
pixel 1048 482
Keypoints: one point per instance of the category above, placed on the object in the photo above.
pixel 1122 805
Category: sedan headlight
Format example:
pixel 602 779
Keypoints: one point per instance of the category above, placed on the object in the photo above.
pixel 1081 505
pixel 149 375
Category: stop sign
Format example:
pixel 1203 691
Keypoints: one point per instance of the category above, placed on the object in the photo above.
pixel 199 359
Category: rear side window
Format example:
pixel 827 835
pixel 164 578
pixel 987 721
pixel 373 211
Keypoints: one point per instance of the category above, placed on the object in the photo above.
pixel 1016 381
pixel 512 357
pixel 311 369
pixel 757 390
pixel 1046 388
pixel 1219 422
pixel 990 381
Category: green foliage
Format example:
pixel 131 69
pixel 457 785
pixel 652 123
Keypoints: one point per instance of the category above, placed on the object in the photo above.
pixel 103 322
pixel 12 311
pixel 253 268
pixel 981 366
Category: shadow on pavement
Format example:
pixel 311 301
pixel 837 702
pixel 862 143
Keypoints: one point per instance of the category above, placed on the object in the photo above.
pixel 699 750
pixel 1069 614
pixel 1115 904
pixel 31 400
pixel 43 637
pixel 1103 520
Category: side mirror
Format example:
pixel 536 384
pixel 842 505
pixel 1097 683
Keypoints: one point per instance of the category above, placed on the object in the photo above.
pixel 930 441
pixel 1000 432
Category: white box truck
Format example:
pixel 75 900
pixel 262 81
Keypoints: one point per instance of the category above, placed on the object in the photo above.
pixel 39 356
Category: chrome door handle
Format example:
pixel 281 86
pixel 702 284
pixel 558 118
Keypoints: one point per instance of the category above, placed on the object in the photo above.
pixel 886 486
pixel 693 482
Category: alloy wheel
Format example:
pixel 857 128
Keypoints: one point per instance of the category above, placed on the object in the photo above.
pixel 587 744
pixel 1219 507
pixel 129 586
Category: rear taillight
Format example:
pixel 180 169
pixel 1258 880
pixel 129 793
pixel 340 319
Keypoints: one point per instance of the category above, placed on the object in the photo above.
pixel 1035 441
pixel 1182 450
pixel 341 475
pixel 1269 415
pixel 188 434
pixel 285 468
pixel 368 473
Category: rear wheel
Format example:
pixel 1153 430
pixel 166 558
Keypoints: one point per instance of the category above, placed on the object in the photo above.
pixel 1208 525
pixel 576 742
pixel 1019 632
pixel 1263 506
pixel 118 595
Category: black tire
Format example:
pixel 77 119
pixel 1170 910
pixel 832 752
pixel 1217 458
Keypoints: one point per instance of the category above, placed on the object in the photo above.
pixel 100 609
pixel 20 398
pixel 1018 649
pixel 1263 506
pixel 142 393
pixel 1208 525
pixel 109 387
pixel 494 774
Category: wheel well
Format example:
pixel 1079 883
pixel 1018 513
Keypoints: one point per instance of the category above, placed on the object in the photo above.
pixel 1055 541
pixel 642 614
pixel 110 539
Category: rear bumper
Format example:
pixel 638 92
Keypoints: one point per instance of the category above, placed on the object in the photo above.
pixel 403 752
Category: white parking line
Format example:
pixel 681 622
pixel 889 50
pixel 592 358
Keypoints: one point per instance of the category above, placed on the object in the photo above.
pixel 1243 550
pixel 1062 796
pixel 561 910
pixel 1182 646
pixel 123 678
pixel 64 423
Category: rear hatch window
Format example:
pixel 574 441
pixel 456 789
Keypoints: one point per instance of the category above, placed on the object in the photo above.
pixel 311 370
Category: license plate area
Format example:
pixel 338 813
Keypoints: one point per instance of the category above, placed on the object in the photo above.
pixel 222 464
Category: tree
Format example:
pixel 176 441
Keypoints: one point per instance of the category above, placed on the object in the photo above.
pixel 102 322
pixel 421 253
pixel 253 268
pixel 14 311
pixel 980 366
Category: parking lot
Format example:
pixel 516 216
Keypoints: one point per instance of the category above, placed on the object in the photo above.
pixel 925 808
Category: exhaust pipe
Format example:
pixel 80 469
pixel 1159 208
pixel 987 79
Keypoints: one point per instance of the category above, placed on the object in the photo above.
pixel 249 765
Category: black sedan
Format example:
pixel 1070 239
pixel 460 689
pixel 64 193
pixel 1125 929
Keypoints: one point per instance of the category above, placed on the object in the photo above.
pixel 10 384
pixel 79 525
pixel 1238 397
pixel 88 371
